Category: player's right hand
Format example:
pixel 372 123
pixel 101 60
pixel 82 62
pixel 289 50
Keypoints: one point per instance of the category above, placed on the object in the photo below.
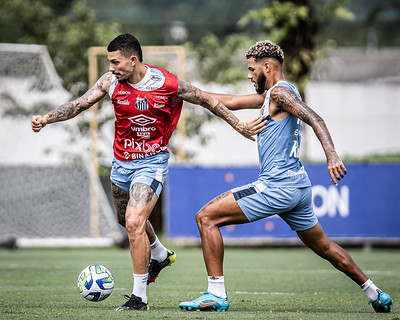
pixel 38 123
pixel 336 168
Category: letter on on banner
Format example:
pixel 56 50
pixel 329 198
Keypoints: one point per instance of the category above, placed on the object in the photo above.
pixel 332 201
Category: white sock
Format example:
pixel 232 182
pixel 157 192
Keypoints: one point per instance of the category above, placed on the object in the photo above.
pixel 140 286
pixel 216 286
pixel 158 251
pixel 370 290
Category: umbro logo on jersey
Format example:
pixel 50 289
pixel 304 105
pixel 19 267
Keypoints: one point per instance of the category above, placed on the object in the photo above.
pixel 141 104
pixel 142 120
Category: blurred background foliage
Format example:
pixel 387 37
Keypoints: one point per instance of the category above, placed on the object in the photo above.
pixel 214 30
pixel 216 33
pixel 67 28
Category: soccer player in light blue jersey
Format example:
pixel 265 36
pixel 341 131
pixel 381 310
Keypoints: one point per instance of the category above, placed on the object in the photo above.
pixel 283 186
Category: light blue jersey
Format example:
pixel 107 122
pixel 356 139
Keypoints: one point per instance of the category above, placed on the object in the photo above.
pixel 278 148
pixel 283 186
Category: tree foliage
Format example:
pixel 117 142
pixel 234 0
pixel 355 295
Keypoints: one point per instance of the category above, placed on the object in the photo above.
pixel 67 28
pixel 292 24
pixel 221 61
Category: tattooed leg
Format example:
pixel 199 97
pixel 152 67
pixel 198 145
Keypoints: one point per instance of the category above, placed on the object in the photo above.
pixel 142 200
pixel 221 211
pixel 121 198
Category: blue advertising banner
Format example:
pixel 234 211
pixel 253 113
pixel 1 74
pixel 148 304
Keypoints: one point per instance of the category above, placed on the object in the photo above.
pixel 366 204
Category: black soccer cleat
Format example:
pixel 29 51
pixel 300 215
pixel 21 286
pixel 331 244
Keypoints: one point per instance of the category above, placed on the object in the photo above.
pixel 133 303
pixel 155 267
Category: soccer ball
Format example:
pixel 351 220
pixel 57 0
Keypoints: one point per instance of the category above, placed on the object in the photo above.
pixel 95 283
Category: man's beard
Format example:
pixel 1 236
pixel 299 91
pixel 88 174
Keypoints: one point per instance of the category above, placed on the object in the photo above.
pixel 261 83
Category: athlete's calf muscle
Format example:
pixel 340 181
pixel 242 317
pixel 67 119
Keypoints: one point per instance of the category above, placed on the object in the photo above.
pixel 120 198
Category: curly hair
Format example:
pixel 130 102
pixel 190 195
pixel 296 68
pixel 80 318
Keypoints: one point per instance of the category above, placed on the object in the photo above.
pixel 265 49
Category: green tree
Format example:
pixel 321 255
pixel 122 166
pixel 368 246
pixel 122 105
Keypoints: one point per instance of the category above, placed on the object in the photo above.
pixel 67 28
pixel 221 61
pixel 294 25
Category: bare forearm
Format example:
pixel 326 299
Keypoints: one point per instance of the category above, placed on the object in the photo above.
pixel 336 168
pixel 64 112
pixel 223 112
pixel 287 100
pixel 238 102
pixel 71 109
pixel 226 99
pixel 190 93
pixel 194 95
pixel 323 135
pixel 220 110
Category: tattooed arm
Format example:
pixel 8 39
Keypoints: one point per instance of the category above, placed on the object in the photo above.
pixel 287 100
pixel 194 95
pixel 71 109
pixel 238 102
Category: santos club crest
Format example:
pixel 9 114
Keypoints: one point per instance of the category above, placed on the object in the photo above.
pixel 141 104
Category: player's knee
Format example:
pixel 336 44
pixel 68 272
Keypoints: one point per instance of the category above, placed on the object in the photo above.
pixel 134 225
pixel 203 218
pixel 333 253
pixel 323 249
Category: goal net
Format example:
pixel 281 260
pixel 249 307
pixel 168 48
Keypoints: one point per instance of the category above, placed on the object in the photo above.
pixel 49 193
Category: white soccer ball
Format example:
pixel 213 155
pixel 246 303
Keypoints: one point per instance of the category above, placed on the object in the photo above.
pixel 95 283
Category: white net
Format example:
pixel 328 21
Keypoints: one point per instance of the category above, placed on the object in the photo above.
pixel 50 206
pixel 45 190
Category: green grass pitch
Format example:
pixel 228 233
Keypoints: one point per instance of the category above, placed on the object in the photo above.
pixel 267 283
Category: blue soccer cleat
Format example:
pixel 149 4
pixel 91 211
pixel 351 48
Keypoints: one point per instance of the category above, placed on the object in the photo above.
pixel 206 302
pixel 383 303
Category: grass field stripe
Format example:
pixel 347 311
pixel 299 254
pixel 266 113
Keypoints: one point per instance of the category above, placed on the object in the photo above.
pixel 328 271
pixel 380 272
pixel 265 293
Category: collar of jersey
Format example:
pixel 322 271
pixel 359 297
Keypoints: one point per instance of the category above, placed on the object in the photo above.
pixel 143 81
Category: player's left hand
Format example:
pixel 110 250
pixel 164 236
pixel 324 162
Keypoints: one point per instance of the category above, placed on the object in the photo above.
pixel 253 127
pixel 336 169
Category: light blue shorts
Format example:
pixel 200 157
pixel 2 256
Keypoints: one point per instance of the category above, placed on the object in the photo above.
pixel 294 205
pixel 151 171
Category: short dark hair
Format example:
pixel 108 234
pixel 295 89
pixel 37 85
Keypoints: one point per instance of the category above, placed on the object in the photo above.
pixel 265 49
pixel 127 44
